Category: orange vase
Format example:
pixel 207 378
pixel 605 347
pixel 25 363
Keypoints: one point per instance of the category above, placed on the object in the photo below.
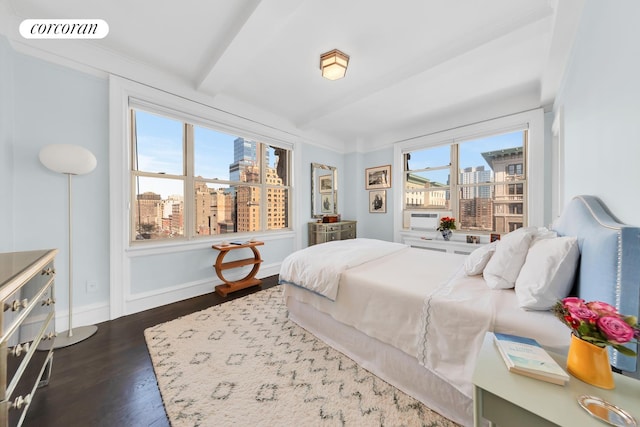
pixel 589 363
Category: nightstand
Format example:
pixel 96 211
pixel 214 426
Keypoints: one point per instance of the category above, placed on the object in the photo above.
pixel 508 399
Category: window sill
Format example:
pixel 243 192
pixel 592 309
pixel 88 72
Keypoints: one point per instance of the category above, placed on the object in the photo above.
pixel 184 245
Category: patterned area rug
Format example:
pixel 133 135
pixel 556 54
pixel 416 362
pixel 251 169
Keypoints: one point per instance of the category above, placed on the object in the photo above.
pixel 243 363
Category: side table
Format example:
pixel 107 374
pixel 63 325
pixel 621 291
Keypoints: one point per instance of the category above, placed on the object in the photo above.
pixel 250 279
pixel 508 399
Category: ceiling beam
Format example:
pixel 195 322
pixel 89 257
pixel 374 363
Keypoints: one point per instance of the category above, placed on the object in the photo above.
pixel 252 33
pixel 465 45
pixel 565 25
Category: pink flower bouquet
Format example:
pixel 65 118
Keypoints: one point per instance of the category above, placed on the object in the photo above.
pixel 598 323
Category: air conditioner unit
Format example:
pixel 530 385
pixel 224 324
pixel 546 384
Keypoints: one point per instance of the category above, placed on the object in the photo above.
pixel 424 221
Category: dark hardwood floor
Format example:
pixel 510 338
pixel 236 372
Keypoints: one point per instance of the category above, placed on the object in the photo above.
pixel 108 379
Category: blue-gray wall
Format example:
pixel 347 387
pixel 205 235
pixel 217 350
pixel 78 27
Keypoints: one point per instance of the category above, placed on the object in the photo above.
pixel 43 103
pixel 376 225
pixel 53 104
pixel 6 146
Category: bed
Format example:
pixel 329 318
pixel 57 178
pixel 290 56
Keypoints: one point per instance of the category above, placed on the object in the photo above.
pixel 417 318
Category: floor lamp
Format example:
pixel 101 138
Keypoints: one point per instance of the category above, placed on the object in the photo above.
pixel 70 160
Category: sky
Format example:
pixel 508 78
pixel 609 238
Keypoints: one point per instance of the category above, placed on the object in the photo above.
pixel 470 154
pixel 160 151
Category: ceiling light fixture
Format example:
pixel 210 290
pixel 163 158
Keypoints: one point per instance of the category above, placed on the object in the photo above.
pixel 334 64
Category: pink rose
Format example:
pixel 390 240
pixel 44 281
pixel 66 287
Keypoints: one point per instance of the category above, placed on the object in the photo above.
pixel 573 302
pixel 615 329
pixel 602 308
pixel 583 314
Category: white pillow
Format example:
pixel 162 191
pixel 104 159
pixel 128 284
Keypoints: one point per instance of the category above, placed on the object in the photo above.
pixel 548 272
pixel 543 233
pixel 478 259
pixel 504 266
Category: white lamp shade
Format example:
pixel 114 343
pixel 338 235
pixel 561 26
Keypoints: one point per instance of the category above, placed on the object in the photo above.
pixel 68 158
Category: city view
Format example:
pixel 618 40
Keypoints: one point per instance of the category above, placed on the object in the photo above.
pixel 498 162
pixel 220 208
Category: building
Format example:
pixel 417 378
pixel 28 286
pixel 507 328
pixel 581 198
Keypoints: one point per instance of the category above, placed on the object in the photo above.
pixel 508 199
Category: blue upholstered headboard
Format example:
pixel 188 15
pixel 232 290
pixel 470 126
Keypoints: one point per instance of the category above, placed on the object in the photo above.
pixel 609 263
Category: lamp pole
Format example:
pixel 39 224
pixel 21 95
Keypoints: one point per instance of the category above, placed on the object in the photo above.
pixel 70 160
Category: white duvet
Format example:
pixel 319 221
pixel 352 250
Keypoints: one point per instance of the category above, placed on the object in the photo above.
pixel 455 319
pixel 385 298
pixel 302 268
pixel 420 302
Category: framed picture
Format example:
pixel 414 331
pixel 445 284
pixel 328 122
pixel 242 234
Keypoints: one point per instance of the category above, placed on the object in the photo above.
pixel 324 184
pixel 378 201
pixel 378 177
pixel 327 203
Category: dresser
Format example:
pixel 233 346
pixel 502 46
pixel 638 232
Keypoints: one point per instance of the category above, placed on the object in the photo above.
pixel 27 297
pixel 320 232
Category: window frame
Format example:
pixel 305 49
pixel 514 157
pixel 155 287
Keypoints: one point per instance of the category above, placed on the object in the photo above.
pixel 121 253
pixel 532 120
pixel 456 185
pixel 189 123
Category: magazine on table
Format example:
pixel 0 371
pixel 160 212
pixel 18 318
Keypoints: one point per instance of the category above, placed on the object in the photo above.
pixel 526 356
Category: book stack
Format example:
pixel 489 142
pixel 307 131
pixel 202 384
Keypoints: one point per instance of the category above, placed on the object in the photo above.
pixel 525 356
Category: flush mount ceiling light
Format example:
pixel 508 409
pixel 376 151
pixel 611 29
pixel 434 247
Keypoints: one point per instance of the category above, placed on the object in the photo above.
pixel 334 64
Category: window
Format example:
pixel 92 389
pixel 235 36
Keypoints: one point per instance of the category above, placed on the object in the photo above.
pixel 481 182
pixel 514 169
pixel 192 180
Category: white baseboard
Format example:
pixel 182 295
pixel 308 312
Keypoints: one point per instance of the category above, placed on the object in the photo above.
pixel 92 314
pixel 89 314
pixel 136 303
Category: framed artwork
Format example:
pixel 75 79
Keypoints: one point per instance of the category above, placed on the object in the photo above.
pixel 378 201
pixel 327 203
pixel 378 177
pixel 325 184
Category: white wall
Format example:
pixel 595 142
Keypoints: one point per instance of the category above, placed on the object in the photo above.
pixel 601 100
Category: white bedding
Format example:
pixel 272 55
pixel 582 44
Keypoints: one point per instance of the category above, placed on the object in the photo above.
pixel 302 269
pixel 384 299
pixel 456 317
